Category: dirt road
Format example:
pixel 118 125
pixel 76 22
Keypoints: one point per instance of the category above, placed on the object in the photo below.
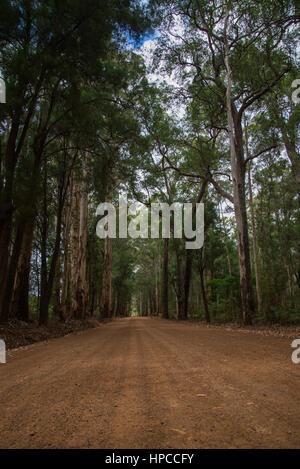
pixel 149 383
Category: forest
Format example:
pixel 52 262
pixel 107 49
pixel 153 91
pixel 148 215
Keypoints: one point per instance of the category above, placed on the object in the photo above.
pixel 166 101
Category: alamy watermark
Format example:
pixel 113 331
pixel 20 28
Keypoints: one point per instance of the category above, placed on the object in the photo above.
pixel 296 353
pixel 138 216
pixel 2 351
pixel 296 93
pixel 2 91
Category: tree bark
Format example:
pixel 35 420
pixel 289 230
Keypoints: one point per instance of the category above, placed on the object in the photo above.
pixel 106 293
pixel 189 256
pixel 165 282
pixel 13 150
pixel 48 283
pixel 226 243
pixel 66 257
pixel 82 284
pixel 239 198
pixel 202 287
pixel 255 251
pixel 187 280
pixel 57 305
pixel 48 279
pixel 20 307
pixel 180 286
pixel 6 306
pixel 74 245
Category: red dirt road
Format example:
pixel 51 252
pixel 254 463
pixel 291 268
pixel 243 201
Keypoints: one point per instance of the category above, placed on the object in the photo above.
pixel 150 383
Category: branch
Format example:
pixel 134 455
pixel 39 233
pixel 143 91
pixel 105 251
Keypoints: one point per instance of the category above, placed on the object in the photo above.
pixel 220 190
pixel 201 194
pixel 264 150
pixel 182 173
pixel 258 94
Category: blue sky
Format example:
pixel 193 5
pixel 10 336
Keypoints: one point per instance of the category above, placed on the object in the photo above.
pixel 146 37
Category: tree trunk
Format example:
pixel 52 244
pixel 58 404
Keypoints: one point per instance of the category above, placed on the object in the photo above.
pixel 6 306
pixel 48 280
pixel 187 279
pixel 48 284
pixel 189 256
pixel 74 245
pixel 20 307
pixel 141 305
pixel 82 284
pixel 202 287
pixel 6 207
pixel 57 305
pixel 255 252
pixel 106 293
pixel 65 280
pixel 165 283
pixel 239 198
pixel 156 288
pixel 180 286
pixel 13 150
pixel 5 234
pixel 226 242
pixel 243 246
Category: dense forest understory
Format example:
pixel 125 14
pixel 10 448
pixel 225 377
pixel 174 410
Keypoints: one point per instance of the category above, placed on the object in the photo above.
pixel 168 102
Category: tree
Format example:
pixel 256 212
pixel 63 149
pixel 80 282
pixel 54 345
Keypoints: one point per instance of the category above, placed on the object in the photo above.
pixel 217 44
